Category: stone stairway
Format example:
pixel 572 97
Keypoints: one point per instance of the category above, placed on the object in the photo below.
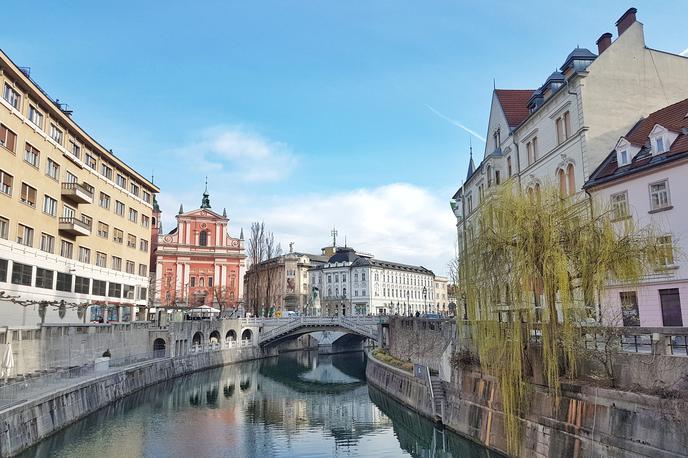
pixel 438 398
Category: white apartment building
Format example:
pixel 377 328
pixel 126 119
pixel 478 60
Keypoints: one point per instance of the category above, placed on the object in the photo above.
pixel 557 134
pixel 352 283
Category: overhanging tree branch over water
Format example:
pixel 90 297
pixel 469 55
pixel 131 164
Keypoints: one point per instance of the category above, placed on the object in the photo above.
pixel 532 275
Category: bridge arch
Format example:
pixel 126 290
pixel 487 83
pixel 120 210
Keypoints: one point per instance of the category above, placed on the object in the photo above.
pixel 231 336
pixel 362 327
pixel 215 336
pixel 159 346
pixel 246 334
pixel 197 338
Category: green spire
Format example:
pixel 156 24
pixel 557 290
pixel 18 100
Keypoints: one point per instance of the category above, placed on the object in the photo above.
pixel 205 202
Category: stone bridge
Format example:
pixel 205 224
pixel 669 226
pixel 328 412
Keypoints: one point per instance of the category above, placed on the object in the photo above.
pixel 277 330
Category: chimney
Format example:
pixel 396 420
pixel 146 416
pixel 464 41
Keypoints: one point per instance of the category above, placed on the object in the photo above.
pixel 626 20
pixel 604 42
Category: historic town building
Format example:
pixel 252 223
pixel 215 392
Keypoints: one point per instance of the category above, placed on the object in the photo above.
pixel 352 283
pixel 280 284
pixel 558 133
pixel 74 218
pixel 198 263
pixel 645 178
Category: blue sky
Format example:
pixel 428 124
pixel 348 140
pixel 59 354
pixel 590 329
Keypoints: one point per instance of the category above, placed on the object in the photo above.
pixel 308 114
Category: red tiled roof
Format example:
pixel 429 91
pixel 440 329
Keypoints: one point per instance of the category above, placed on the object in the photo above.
pixel 515 104
pixel 674 118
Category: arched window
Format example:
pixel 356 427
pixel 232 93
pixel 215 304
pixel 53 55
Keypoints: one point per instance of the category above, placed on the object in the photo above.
pixel 203 238
pixel 562 182
pixel 571 179
pixel 489 176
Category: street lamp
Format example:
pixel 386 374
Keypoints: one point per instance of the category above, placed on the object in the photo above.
pixel 407 309
pixel 425 298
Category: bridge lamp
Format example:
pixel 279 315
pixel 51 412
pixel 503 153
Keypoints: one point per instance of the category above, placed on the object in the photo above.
pixel 425 298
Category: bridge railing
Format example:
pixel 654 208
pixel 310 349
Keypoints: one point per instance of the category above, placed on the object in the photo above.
pixel 359 324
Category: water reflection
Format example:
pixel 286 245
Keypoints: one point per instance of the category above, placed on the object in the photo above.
pixel 299 404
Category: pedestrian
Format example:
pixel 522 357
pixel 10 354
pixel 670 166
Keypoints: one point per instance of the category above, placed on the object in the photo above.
pixel 106 354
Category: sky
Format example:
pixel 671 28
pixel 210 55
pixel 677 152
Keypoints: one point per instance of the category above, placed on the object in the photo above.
pixel 309 115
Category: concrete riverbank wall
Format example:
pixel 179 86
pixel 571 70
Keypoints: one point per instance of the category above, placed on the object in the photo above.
pixel 26 423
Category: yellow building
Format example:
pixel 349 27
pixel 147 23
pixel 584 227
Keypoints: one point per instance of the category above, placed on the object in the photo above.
pixel 75 221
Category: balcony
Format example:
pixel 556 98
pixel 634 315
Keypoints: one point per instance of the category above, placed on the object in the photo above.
pixel 74 226
pixel 78 193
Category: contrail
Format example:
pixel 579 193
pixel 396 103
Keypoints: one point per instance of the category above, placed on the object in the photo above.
pixel 684 53
pixel 456 123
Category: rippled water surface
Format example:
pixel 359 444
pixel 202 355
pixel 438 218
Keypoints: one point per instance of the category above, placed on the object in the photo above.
pixel 298 404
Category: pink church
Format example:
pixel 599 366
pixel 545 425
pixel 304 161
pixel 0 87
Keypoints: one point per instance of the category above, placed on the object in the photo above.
pixel 198 262
pixel 646 178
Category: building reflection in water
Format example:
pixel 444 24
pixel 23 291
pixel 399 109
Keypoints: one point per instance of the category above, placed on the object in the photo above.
pixel 299 404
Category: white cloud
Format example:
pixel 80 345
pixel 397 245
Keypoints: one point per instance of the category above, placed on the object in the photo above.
pixel 237 154
pixel 684 53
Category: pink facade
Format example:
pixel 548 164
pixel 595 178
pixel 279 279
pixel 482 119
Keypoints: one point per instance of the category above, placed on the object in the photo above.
pixel 646 178
pixel 198 262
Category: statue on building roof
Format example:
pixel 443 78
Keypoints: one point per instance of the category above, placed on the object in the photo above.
pixel 205 202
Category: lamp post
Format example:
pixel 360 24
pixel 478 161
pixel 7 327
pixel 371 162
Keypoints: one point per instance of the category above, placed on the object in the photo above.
pixel 407 309
pixel 425 298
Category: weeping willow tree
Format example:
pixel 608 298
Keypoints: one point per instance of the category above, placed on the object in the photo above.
pixel 532 275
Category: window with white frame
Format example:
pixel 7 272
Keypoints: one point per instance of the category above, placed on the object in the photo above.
pixel 6 181
pixel 35 116
pixel 31 155
pixel 4 228
pixel 106 171
pixel 8 139
pixel 84 254
pixel 665 251
pixel 11 96
pixel 119 208
pixel 659 195
pixel 121 181
pixel 49 205
pixel 47 243
pixel 116 263
pixel 24 235
pixel 75 149
pixel 28 195
pixel 90 161
pixel 101 259
pixel 56 134
pixel 52 169
pixel 104 200
pixel 619 204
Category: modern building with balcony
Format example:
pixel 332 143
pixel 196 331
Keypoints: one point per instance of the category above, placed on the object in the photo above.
pixel 67 205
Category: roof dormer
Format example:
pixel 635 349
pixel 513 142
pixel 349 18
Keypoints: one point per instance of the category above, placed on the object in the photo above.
pixel 625 152
pixel 661 139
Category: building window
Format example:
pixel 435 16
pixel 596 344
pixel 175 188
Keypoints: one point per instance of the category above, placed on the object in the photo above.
pixel 659 145
pixel 101 259
pixel 210 282
pixel 28 195
pixel 133 215
pixel 44 278
pixel 8 139
pixel 52 169
pixel 31 155
pixel 21 274
pixel 143 270
pixel 571 179
pixel 121 181
pixel 131 267
pixel 203 238
pixel 99 287
pixel 6 181
pixel 128 291
pixel 145 221
pixel 116 263
pixel 71 178
pixel 67 249
pixel 134 188
pixel 115 290
pixel 143 245
pixel 56 134
pixel 671 307
pixel 192 281
pixel 4 228
pixel 104 201
pixel 4 265
pixel 619 205
pixel 49 206
pixel 68 212
pixel 90 161
pixel 35 116
pixel 146 197
pixel 84 254
pixel 119 208
pixel 623 158
pixel 665 251
pixel 103 230
pixel 118 236
pixel 489 176
pixel 64 282
pixel 47 243
pixel 82 285
pixel 75 149
pixel 24 235
pixel 11 96
pixel 106 171
pixel 531 147
pixel 659 195
pixel 131 241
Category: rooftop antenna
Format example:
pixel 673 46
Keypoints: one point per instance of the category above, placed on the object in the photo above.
pixel 345 241
pixel 494 83
pixel 334 234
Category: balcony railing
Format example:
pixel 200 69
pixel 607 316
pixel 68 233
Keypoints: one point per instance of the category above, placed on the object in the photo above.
pixel 77 192
pixel 74 226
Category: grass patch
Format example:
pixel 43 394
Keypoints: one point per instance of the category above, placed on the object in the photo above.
pixel 382 355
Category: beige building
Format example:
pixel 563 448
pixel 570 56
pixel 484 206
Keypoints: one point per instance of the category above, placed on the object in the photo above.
pixel 281 283
pixel 75 221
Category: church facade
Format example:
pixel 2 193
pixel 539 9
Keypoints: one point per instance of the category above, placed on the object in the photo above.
pixel 197 263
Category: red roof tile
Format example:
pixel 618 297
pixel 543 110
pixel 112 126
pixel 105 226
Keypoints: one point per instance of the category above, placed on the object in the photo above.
pixel 515 104
pixel 672 117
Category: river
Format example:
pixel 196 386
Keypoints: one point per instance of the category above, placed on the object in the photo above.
pixel 299 404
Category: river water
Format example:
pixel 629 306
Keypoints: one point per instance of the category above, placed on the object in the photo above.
pixel 296 405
